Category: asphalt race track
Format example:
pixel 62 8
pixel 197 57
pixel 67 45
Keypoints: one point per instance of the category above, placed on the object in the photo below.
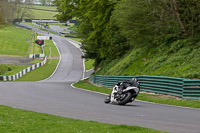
pixel 56 96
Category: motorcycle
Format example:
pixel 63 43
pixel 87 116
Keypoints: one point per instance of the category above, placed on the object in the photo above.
pixel 124 92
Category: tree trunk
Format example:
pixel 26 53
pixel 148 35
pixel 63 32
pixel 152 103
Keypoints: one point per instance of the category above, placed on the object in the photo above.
pixel 179 17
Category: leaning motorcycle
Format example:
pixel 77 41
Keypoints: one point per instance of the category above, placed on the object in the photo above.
pixel 124 92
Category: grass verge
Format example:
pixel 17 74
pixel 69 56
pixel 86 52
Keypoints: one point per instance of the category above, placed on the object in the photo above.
pixel 42 72
pixel 50 49
pixel 75 39
pixel 28 23
pixel 156 98
pixel 36 75
pixel 9 69
pixel 89 64
pixel 20 121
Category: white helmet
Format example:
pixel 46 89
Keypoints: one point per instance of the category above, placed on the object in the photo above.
pixel 134 79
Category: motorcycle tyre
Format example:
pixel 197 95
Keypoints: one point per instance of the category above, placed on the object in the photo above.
pixel 126 99
pixel 107 100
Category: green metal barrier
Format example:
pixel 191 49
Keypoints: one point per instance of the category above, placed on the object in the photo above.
pixel 191 89
pixel 180 87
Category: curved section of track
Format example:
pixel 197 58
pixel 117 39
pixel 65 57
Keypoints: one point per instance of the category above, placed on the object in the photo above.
pixel 56 96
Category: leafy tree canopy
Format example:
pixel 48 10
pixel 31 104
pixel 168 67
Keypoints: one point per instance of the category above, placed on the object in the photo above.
pixel 111 28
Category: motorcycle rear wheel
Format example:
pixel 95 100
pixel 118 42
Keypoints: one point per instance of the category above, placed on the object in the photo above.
pixel 126 99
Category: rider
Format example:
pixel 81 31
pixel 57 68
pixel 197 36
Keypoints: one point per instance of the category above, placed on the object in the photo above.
pixel 132 82
pixel 123 85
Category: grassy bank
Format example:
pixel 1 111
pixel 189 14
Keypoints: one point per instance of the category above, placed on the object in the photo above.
pixel 179 59
pixel 20 121
pixel 42 12
pixel 14 41
pixel 156 98
pixel 51 8
pixel 89 64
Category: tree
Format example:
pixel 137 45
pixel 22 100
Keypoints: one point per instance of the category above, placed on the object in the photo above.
pixel 2 17
pixel 9 10
pixel 112 27
pixel 67 9
pixel 94 16
pixel 22 8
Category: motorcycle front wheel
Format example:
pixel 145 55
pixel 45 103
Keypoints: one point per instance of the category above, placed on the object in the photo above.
pixel 126 99
pixel 107 100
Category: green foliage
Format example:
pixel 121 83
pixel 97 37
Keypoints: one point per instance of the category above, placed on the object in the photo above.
pixel 176 60
pixel 149 37
pixel 94 16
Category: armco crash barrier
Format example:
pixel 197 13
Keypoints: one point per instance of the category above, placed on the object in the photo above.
pixel 180 87
pixel 23 72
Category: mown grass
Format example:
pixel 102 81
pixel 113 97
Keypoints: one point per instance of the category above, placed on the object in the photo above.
pixel 39 14
pixel 170 100
pixel 28 23
pixel 52 8
pixel 84 84
pixel 41 73
pixel 12 69
pixel 156 98
pixel 35 49
pixel 17 42
pixel 42 14
pixel 58 24
pixel 75 39
pixel 50 48
pixel 36 75
pixel 3 69
pixel 44 72
pixel 35 61
pixel 14 41
pixel 19 121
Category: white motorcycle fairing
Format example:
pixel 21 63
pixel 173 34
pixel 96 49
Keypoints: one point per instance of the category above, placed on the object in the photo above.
pixel 124 92
pixel 112 97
